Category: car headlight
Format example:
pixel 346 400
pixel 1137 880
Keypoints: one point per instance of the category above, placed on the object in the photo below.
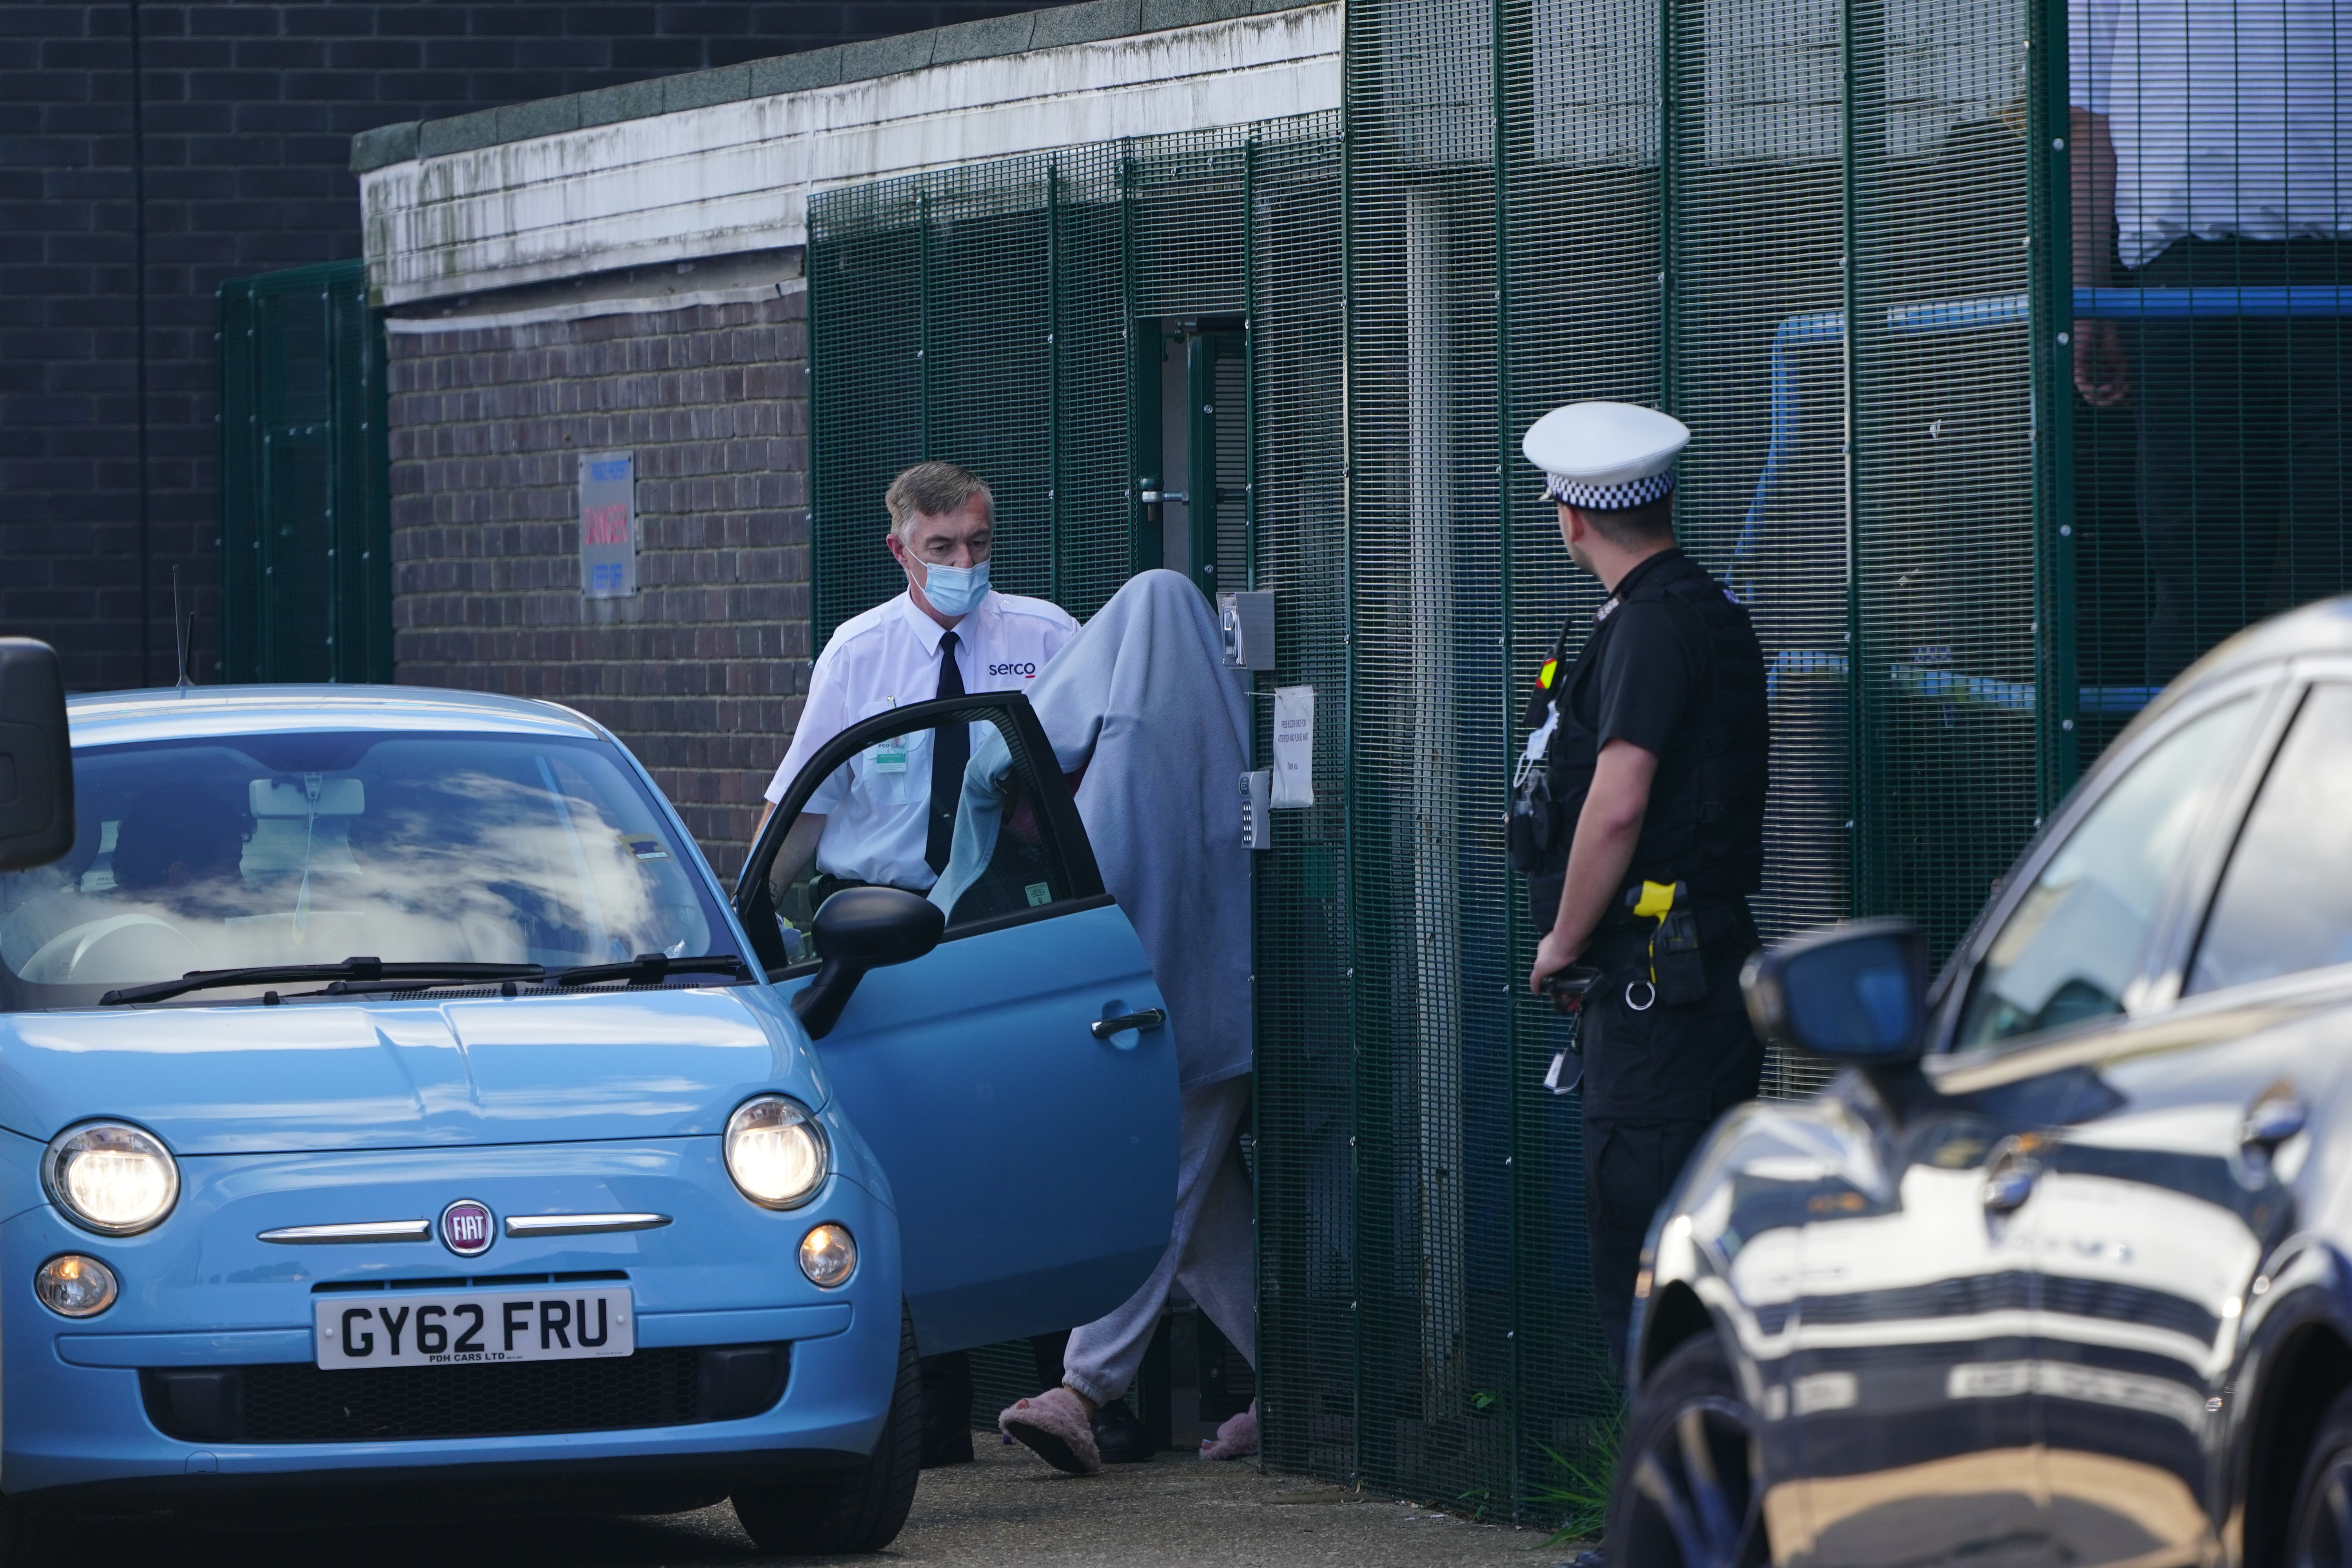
pixel 828 1255
pixel 112 1177
pixel 775 1152
pixel 73 1285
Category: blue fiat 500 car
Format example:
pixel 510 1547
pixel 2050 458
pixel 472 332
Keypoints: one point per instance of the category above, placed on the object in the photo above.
pixel 393 1106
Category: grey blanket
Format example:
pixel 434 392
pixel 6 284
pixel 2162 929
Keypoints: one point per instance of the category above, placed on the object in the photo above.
pixel 1139 700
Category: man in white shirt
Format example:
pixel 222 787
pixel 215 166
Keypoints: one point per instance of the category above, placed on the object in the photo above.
pixel 2210 152
pixel 888 815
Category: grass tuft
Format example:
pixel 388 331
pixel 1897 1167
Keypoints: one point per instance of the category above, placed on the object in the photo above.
pixel 1578 1489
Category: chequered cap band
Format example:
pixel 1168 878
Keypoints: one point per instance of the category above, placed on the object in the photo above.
pixel 1611 497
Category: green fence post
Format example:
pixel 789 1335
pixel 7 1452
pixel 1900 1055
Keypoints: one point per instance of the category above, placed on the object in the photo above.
pixel 1514 934
pixel 1249 366
pixel 1145 548
pixel 1053 377
pixel 1354 19
pixel 923 322
pixel 1862 819
pixel 2051 309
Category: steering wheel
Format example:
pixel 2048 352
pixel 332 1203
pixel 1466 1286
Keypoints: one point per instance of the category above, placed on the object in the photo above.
pixel 117 951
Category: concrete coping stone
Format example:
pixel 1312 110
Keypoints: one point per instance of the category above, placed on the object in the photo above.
pixel 1094 21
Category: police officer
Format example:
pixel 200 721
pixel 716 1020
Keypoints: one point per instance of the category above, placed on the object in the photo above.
pixel 1638 819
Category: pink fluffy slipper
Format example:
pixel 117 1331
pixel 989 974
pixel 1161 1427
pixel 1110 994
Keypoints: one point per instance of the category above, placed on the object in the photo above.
pixel 1053 1426
pixel 1236 1439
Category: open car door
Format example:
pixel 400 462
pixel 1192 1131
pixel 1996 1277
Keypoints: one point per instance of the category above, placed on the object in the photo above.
pixel 1016 1081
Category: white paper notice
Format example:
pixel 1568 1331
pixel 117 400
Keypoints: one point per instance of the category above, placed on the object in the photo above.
pixel 1294 745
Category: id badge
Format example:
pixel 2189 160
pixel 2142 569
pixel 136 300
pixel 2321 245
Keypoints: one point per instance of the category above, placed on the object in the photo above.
pixel 890 756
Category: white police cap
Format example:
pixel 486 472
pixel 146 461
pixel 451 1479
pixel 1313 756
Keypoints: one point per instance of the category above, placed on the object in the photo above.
pixel 1608 457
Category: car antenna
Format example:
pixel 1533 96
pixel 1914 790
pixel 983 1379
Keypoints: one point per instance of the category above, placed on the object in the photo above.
pixel 184 633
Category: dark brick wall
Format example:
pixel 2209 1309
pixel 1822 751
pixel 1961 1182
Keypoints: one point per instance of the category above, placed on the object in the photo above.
pixel 705 684
pixel 147 152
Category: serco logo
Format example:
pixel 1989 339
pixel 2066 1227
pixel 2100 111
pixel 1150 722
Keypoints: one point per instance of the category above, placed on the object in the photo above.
pixel 468 1229
pixel 1020 670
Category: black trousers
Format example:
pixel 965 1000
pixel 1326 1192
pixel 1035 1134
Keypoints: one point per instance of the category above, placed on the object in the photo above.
pixel 2245 483
pixel 1654 1081
pixel 1629 1167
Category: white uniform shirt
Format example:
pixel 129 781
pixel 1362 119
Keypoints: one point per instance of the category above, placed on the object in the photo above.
pixel 877 809
pixel 2228 116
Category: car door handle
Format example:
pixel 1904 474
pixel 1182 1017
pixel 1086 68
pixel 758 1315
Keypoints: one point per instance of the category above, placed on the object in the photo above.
pixel 1150 1018
pixel 2009 1184
pixel 2272 1121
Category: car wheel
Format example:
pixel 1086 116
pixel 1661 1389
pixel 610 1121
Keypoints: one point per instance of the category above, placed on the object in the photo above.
pixel 1686 1493
pixel 2322 1536
pixel 852 1510
pixel 24 1538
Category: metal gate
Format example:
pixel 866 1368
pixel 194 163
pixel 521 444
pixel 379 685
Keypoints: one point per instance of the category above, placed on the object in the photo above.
pixel 1139 345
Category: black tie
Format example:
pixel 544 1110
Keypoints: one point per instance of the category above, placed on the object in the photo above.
pixel 951 750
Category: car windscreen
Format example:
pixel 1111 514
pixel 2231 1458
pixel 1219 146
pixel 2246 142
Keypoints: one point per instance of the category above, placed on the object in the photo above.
pixel 312 847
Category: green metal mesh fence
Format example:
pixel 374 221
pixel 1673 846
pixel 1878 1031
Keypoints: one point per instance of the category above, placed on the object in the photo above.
pixel 2196 220
pixel 1015 316
pixel 306 562
pixel 1942 462
pixel 1831 235
pixel 1498 264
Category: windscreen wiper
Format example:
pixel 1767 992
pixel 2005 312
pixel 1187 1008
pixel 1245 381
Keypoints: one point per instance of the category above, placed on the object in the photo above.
pixel 349 968
pixel 652 969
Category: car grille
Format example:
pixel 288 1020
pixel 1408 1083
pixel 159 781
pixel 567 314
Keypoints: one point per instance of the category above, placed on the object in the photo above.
pixel 297 1403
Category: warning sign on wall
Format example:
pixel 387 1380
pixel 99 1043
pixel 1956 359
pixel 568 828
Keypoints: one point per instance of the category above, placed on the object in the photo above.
pixel 608 525
pixel 1294 745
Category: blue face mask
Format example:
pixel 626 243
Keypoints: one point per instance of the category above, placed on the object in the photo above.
pixel 955 590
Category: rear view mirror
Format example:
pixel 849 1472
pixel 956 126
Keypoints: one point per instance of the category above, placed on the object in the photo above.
pixel 36 816
pixel 1854 993
pixel 314 795
pixel 860 929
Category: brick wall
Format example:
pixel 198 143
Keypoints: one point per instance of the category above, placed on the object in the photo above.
pixel 149 149
pixel 705 683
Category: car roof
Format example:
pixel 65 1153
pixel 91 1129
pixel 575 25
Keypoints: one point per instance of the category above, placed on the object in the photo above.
pixel 166 713
pixel 2321 626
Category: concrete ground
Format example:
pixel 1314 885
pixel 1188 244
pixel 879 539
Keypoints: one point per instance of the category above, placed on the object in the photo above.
pixel 1007 1508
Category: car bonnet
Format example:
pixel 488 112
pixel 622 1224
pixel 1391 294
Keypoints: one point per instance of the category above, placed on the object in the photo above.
pixel 242 1077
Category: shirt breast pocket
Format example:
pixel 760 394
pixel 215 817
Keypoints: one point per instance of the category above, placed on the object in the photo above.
pixel 897 771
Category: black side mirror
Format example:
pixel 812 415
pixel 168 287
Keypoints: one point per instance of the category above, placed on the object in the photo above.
pixel 1853 994
pixel 36 800
pixel 860 929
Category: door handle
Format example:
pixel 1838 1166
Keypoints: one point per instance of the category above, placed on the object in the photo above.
pixel 2270 1122
pixel 1104 1028
pixel 2009 1184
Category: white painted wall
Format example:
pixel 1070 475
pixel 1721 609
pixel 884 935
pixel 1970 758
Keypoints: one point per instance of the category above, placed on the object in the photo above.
pixel 737 176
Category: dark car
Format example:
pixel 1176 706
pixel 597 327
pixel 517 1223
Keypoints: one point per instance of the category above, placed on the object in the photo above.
pixel 2056 1272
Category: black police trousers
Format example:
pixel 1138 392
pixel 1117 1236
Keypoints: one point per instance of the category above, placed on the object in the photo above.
pixel 1629 1167
pixel 1654 1081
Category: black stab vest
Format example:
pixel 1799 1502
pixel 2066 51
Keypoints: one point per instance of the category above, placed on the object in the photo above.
pixel 1705 825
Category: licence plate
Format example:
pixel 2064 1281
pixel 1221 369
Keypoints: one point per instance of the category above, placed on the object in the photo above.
pixel 396 1329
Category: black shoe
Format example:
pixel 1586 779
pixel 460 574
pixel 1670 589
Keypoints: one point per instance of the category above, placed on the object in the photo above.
pixel 1119 1436
pixel 1596 1557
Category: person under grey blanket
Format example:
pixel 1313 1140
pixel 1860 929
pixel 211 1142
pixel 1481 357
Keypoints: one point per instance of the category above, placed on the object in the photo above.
pixel 1139 702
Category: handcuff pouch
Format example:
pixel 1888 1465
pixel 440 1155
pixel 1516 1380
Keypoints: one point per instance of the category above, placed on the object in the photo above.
pixel 1679 962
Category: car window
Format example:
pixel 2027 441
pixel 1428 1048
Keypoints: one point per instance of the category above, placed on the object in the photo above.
pixel 984 848
pixel 310 848
pixel 2076 941
pixel 2285 902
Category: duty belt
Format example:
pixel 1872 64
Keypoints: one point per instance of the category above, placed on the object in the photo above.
pixel 1668 961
